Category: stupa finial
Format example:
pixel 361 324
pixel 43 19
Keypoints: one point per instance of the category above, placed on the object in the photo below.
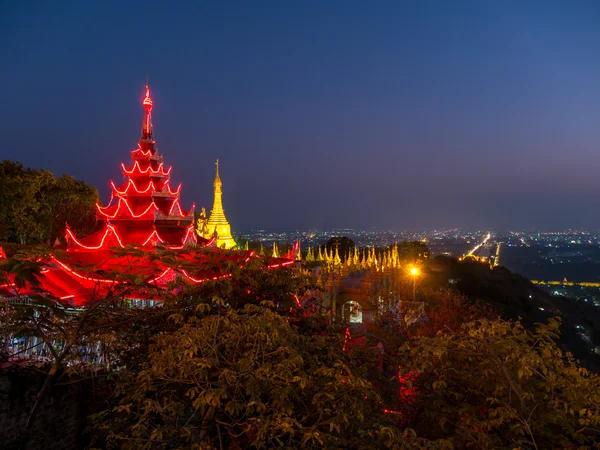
pixel 147 125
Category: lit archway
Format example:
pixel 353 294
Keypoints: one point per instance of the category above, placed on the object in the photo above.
pixel 352 312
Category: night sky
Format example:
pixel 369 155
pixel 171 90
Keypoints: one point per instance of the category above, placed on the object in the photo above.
pixel 482 114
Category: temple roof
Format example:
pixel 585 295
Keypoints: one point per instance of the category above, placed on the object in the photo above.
pixel 145 213
pixel 78 276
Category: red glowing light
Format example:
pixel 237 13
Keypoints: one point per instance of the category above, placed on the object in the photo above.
pixel 147 99
pixel 168 187
pixel 132 214
pixel 347 337
pixel 146 191
pixel 130 184
pixel 147 153
pixel 190 230
pixel 154 280
pixel 147 128
pixel 202 280
pixel 285 263
pixel 176 202
pixel 151 187
pixel 292 253
pixel 83 277
pixel 159 171
pixel 109 228
pixel 155 235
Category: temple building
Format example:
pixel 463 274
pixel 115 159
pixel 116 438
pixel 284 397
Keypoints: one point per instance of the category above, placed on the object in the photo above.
pixel 145 212
pixel 217 225
pixel 145 209
pixel 356 288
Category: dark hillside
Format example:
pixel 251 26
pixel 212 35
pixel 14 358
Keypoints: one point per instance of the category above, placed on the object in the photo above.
pixel 515 297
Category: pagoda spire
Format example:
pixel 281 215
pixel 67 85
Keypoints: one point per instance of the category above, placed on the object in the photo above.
pixel 217 219
pixel 147 124
pixel 336 258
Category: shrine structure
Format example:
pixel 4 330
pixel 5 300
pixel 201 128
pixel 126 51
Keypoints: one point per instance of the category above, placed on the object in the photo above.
pixel 217 225
pixel 144 216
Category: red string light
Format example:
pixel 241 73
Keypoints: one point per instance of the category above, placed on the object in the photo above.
pixel 155 235
pixel 151 187
pixel 176 202
pixel 202 280
pixel 147 153
pixel 159 171
pixel 292 253
pixel 133 215
pixel 190 229
pixel 83 277
pixel 109 228
pixel 147 99
pixel 154 280
pixel 130 184
pixel 347 337
pixel 286 263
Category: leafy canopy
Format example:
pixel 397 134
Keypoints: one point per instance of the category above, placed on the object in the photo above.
pixel 35 205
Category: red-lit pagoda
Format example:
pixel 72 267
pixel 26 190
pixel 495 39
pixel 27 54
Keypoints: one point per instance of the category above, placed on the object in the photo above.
pixel 144 212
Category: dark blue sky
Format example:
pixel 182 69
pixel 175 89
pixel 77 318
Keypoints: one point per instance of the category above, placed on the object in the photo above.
pixel 323 113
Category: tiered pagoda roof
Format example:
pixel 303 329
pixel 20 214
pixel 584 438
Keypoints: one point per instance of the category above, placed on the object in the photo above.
pixel 144 211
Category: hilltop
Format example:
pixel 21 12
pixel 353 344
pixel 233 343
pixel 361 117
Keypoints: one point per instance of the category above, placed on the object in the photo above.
pixel 515 297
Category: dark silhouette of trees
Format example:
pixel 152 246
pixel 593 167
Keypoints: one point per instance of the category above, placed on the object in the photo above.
pixel 343 243
pixel 412 252
pixel 252 361
pixel 35 205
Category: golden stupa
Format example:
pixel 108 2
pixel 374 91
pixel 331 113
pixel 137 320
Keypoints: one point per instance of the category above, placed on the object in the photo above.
pixel 217 221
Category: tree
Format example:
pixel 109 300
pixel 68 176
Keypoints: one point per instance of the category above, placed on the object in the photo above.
pixel 71 338
pixel 35 205
pixel 343 243
pixel 493 384
pixel 413 252
pixel 234 378
pixel 247 361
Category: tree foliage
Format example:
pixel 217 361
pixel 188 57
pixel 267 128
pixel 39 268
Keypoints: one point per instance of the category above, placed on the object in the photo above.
pixel 250 361
pixel 413 252
pixel 234 378
pixel 35 205
pixel 343 243
pixel 493 384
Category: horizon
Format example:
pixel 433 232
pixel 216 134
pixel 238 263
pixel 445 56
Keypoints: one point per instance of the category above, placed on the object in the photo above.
pixel 400 116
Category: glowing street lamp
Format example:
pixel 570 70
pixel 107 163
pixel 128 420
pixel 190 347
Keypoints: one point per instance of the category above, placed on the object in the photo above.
pixel 415 273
